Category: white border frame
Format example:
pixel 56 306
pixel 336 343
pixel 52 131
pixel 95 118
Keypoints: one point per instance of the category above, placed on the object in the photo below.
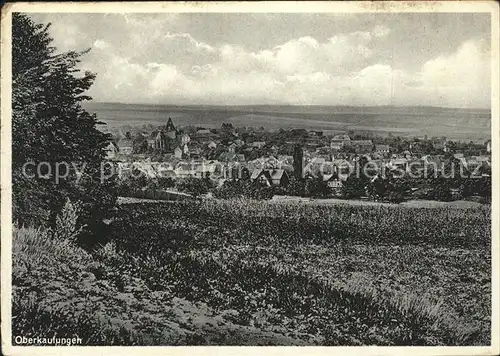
pixel 491 7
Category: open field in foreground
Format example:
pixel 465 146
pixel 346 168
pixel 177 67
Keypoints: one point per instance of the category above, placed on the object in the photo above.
pixel 261 273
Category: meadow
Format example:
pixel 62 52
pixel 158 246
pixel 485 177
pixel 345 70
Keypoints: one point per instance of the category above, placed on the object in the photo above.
pixel 246 272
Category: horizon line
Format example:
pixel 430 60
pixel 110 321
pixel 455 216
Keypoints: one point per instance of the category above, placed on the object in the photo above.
pixel 295 105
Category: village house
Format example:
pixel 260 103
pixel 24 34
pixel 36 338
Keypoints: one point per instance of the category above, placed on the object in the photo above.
pixel 204 169
pixel 362 146
pixel 271 177
pixel 151 138
pixel 376 165
pixel 415 146
pixel 329 168
pixel 161 167
pixel 239 142
pixel 318 160
pixel 326 157
pixel 229 171
pixel 231 157
pixel 185 151
pixel 339 141
pixel 382 149
pixel 270 162
pixel 323 150
pixel 212 145
pixel 145 168
pixel 279 177
pixel 285 159
pixel 238 158
pixel 258 144
pixel 203 136
pixel 168 173
pixel 177 152
pixel 438 145
pixel 333 181
pixel 125 146
pixel 195 153
pixel 482 158
pixel 319 166
pixel 183 170
pixel 442 144
pixel 399 163
pixel 111 150
pixel 432 163
pixel 313 141
pixel 185 139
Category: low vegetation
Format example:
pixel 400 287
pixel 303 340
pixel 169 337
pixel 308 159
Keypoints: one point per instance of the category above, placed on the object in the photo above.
pixel 262 273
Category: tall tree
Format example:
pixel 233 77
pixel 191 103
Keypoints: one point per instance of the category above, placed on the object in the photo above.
pixel 52 130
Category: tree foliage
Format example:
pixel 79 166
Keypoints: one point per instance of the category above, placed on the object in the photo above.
pixel 50 125
pixel 194 186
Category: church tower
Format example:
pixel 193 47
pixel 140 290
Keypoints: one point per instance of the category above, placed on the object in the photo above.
pixel 298 160
pixel 170 130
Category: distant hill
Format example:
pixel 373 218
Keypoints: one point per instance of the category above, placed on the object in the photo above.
pixel 460 124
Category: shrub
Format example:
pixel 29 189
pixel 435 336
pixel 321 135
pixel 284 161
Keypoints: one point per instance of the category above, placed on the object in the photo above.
pixel 166 182
pixel 353 188
pixel 67 222
pixel 194 186
pixel 395 197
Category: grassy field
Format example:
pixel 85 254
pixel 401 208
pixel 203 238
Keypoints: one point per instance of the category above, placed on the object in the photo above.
pixel 260 273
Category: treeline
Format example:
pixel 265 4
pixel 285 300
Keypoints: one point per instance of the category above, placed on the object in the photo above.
pixel 387 189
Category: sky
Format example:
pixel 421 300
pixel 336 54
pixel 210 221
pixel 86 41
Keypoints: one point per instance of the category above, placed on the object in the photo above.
pixel 431 59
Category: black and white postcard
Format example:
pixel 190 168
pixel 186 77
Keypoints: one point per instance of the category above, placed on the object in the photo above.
pixel 309 176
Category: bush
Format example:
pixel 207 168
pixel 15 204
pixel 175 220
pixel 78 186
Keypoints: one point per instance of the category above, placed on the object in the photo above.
pixel 353 188
pixel 67 222
pixel 395 197
pixel 166 182
pixel 194 186
pixel 441 192
pixel 316 188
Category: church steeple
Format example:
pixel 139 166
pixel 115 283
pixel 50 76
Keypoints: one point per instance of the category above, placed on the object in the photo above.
pixel 170 126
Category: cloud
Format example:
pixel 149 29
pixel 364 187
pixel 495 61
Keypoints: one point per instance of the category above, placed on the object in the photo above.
pixel 381 31
pixel 307 55
pixel 186 37
pixel 100 44
pixel 343 69
pixel 459 79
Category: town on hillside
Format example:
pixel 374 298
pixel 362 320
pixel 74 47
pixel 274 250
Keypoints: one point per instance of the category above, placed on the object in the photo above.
pixel 172 158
